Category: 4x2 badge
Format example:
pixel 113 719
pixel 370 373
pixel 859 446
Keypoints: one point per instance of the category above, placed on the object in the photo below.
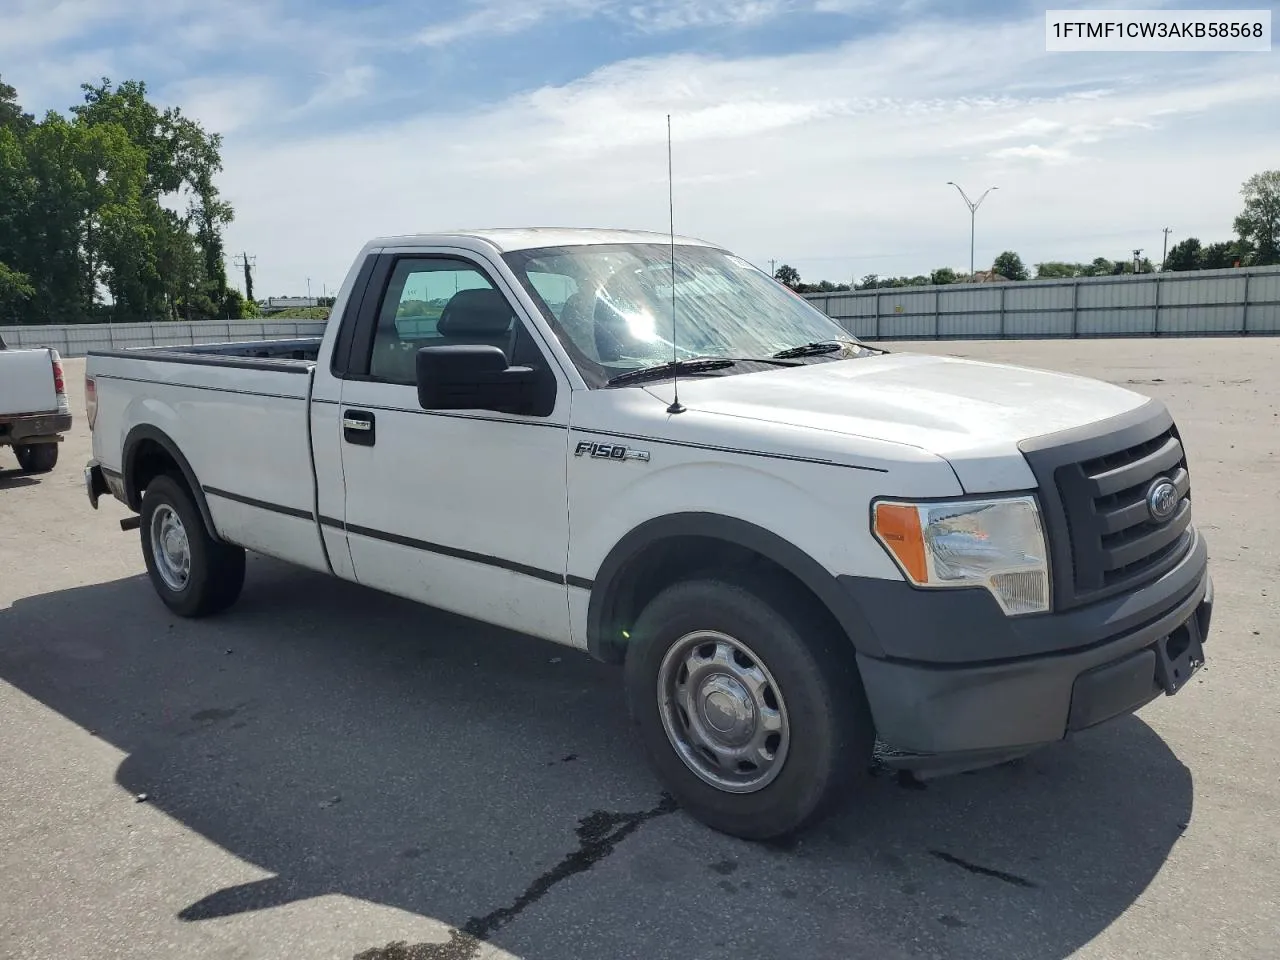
pixel 609 451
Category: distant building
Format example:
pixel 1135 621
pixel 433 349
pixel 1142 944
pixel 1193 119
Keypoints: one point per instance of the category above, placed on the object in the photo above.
pixel 288 303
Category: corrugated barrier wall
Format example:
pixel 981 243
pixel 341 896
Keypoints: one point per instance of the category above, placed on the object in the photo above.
pixel 1203 303
pixel 1236 302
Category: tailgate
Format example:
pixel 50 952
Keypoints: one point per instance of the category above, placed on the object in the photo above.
pixel 26 382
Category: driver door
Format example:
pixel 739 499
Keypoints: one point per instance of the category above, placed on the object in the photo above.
pixel 464 510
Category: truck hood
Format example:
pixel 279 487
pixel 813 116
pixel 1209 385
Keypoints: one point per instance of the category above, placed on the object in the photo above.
pixel 973 414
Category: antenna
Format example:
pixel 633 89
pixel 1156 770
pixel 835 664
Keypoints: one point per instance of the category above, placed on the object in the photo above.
pixel 675 407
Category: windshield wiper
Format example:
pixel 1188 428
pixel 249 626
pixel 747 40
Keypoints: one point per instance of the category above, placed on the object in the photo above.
pixel 657 372
pixel 820 347
pixel 693 365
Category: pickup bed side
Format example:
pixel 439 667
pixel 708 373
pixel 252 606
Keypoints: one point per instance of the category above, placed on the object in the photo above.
pixel 236 427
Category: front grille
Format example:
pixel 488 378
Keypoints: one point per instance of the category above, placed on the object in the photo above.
pixel 1094 490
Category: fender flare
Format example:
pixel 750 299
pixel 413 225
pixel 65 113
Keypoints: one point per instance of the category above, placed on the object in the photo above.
pixel 822 583
pixel 147 432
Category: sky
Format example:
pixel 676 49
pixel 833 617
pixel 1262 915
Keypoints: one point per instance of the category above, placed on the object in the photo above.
pixel 819 133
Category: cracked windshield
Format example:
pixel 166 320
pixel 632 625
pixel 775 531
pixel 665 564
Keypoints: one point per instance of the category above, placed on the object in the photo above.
pixel 611 307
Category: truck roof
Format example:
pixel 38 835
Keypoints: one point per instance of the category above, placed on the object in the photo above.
pixel 507 239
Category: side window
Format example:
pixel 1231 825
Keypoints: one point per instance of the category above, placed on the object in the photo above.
pixel 434 301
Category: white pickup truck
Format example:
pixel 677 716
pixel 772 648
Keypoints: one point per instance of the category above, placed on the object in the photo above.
pixel 34 413
pixel 807 552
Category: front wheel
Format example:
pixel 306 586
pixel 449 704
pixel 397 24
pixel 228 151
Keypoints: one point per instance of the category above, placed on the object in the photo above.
pixel 194 574
pixel 36 457
pixel 748 704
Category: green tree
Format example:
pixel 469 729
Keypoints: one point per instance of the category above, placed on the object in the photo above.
pixel 1054 270
pixel 11 114
pixel 1010 265
pixel 787 274
pixel 1258 225
pixel 1219 256
pixel 15 291
pixel 86 210
pixel 1184 255
pixel 942 276
pixel 237 306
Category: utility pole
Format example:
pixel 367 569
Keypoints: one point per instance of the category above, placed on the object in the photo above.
pixel 247 262
pixel 1137 260
pixel 973 213
pixel 308 288
pixel 773 268
pixel 1164 258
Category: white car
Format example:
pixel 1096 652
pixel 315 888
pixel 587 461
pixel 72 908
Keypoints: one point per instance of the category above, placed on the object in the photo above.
pixel 800 546
pixel 34 413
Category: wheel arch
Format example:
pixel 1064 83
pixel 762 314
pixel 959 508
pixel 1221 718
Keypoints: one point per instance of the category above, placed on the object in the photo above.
pixel 146 450
pixel 661 551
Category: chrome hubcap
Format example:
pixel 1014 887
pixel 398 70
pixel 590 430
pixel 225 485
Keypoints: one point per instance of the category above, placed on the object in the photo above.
pixel 723 712
pixel 170 548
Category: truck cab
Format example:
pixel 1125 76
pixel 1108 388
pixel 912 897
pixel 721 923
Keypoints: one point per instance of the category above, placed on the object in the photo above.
pixel 805 551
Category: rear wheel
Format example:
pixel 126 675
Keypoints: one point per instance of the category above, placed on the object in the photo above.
pixel 194 574
pixel 36 457
pixel 748 704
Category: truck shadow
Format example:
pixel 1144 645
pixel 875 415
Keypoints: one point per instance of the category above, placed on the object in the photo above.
pixel 349 742
pixel 12 479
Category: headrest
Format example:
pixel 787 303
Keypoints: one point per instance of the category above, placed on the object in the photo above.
pixel 475 313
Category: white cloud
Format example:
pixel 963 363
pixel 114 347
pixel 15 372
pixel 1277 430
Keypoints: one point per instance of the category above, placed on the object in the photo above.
pixel 835 161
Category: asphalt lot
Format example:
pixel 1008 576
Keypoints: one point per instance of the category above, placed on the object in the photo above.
pixel 332 773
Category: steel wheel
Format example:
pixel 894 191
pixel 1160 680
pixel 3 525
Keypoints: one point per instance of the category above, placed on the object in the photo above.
pixel 723 712
pixel 170 547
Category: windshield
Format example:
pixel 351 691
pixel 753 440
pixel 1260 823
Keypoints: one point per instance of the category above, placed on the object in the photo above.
pixel 610 306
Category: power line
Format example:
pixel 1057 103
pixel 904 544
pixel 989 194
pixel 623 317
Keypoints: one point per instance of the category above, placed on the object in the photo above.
pixel 247 262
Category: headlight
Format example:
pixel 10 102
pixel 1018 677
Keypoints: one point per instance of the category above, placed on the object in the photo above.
pixel 997 544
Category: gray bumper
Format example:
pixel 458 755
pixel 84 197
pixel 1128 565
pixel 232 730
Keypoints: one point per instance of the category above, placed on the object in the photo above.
pixel 1090 664
pixel 36 428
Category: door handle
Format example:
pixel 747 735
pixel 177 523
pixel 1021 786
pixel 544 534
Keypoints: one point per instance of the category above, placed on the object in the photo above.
pixel 358 427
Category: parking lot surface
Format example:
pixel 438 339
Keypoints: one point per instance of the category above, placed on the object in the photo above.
pixel 327 772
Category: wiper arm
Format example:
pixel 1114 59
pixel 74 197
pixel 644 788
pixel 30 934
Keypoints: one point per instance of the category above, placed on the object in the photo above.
pixel 820 347
pixel 694 365
pixel 661 370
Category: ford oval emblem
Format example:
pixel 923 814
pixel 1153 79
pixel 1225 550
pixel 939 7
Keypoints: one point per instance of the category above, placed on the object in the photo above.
pixel 1162 500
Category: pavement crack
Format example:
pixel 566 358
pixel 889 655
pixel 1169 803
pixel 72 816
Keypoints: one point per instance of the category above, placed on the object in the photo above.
pixel 1012 878
pixel 599 834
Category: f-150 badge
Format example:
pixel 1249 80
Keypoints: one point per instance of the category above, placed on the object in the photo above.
pixel 609 451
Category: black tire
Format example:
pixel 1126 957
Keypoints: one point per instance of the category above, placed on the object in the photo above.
pixel 216 573
pixel 831 732
pixel 36 457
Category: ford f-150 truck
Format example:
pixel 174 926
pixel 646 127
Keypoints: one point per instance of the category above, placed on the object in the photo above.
pixel 807 552
pixel 34 412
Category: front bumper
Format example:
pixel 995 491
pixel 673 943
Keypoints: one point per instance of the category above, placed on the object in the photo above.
pixel 1087 666
pixel 36 428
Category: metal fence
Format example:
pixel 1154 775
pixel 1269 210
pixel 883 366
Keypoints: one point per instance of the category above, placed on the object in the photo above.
pixel 1235 302
pixel 76 340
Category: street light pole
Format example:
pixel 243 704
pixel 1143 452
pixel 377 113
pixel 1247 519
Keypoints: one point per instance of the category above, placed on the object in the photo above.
pixel 973 215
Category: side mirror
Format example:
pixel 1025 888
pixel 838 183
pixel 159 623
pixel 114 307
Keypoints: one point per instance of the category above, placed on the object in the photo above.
pixel 473 377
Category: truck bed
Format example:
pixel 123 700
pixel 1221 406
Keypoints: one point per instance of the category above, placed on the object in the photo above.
pixel 239 415
pixel 251 354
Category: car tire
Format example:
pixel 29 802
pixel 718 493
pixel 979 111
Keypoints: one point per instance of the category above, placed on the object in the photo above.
pixel 707 656
pixel 194 574
pixel 36 457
